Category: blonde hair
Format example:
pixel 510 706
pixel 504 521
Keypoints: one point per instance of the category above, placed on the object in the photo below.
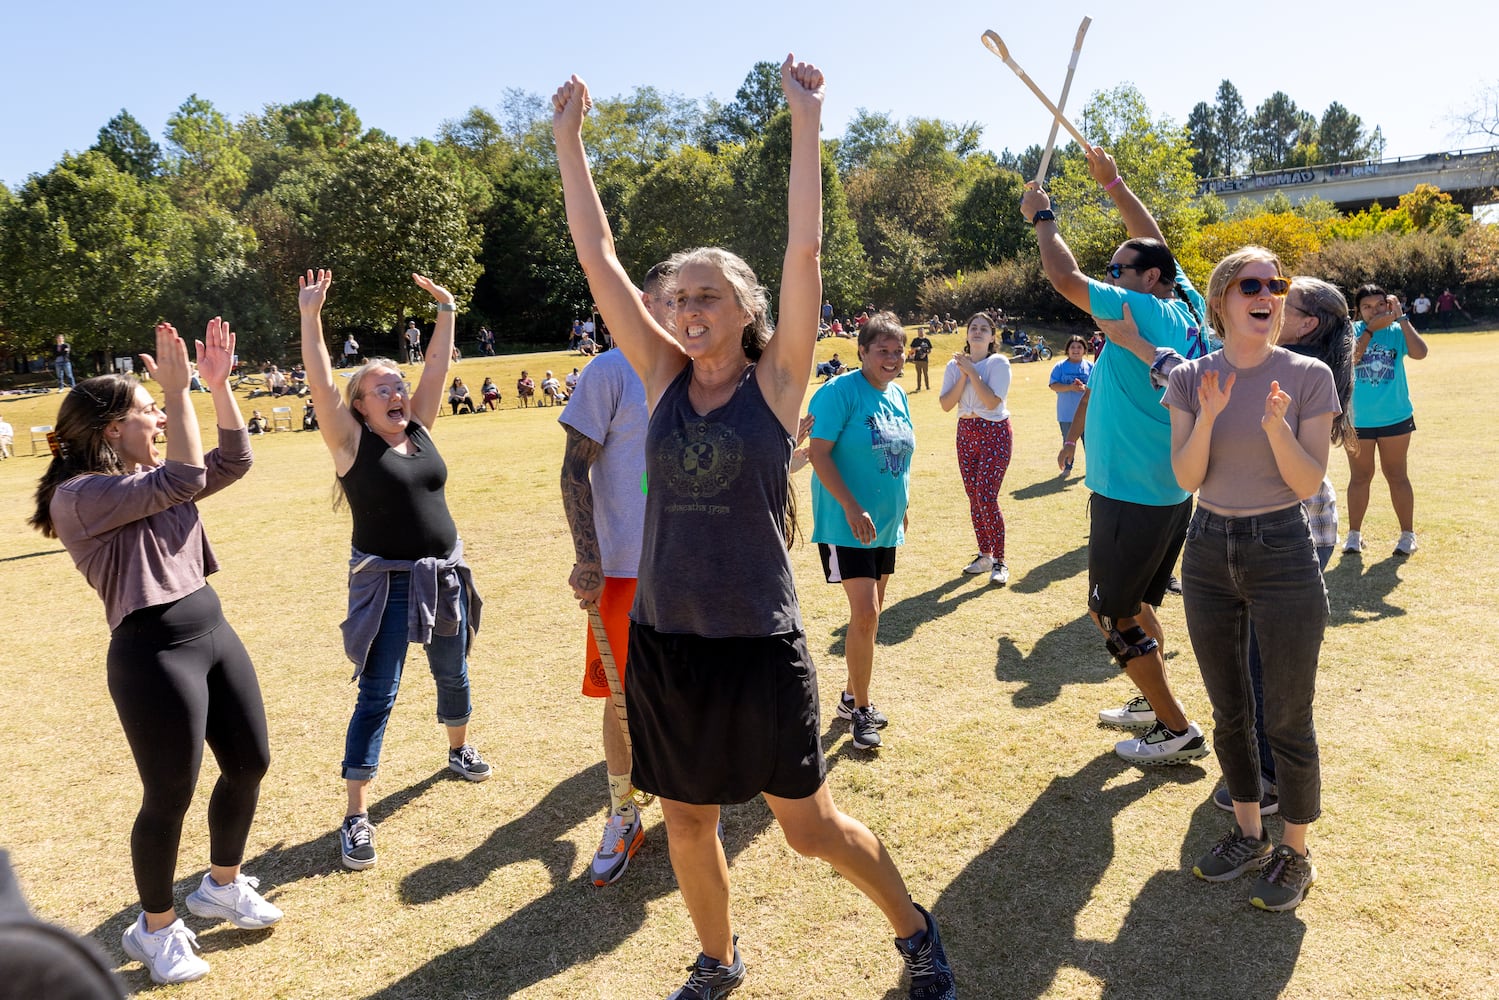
pixel 1224 274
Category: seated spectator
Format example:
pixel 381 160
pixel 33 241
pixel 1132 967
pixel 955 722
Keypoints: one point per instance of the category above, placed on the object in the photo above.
pixel 572 381
pixel 258 424
pixel 588 346
pixel 552 390
pixel 297 380
pixel 831 367
pixel 7 439
pixel 525 388
pixel 457 354
pixel 195 384
pixel 459 398
pixel 309 417
pixel 276 382
pixel 489 394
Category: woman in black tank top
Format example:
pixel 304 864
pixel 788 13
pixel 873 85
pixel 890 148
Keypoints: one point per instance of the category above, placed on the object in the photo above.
pixel 405 547
pixel 723 697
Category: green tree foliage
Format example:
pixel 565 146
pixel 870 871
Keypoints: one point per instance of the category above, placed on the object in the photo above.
pixel 1273 132
pixel 204 156
pixel 1291 236
pixel 986 224
pixel 129 146
pixel 1233 127
pixel 384 213
pixel 85 250
pixel 1207 146
pixel 1398 261
pixel 687 200
pixel 746 117
pixel 1154 157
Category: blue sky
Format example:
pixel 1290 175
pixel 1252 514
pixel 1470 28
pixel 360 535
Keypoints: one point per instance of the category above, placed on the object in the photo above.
pixel 406 68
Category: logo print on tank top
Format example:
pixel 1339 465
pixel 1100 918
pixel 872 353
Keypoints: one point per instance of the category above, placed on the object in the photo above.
pixel 703 459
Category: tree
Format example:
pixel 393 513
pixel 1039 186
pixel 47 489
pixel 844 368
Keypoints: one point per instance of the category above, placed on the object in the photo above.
pixel 1207 146
pixel 319 125
pixel 1289 235
pixel 1273 132
pixel 384 213
pixel 687 200
pixel 986 224
pixel 85 250
pixel 1340 136
pixel 1482 116
pixel 129 146
pixel 756 102
pixel 204 155
pixel 868 134
pixel 1233 127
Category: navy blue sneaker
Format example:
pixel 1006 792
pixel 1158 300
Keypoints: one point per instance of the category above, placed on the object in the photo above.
pixel 710 979
pixel 931 976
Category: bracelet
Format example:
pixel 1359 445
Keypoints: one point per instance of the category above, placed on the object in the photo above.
pixel 1111 185
pixel 1069 444
pixel 447 307
pixel 1404 318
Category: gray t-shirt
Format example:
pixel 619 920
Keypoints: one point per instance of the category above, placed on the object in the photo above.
pixel 1242 475
pixel 608 408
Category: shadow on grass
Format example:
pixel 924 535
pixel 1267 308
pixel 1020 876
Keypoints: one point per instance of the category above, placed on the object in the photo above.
pixel 899 621
pixel 1071 654
pixel 1009 920
pixel 1049 487
pixel 277 866
pixel 33 555
pixel 1357 591
pixel 1061 567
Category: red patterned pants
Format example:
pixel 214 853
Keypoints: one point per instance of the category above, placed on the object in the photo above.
pixel 983 459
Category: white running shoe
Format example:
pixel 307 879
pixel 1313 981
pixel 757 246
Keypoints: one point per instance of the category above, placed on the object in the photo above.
pixel 1354 542
pixel 237 902
pixel 980 564
pixel 1407 543
pixel 169 954
pixel 1136 714
pixel 1000 575
pixel 1159 746
pixel 622 838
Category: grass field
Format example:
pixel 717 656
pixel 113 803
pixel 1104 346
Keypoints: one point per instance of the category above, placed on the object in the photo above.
pixel 1054 869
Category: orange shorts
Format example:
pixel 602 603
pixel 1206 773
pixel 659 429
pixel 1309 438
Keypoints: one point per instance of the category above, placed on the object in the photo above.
pixel 614 608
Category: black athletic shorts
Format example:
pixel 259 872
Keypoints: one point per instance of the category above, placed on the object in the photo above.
pixel 844 562
pixel 1132 549
pixel 1405 426
pixel 715 721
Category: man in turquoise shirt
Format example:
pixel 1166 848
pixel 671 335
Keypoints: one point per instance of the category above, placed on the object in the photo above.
pixel 1138 513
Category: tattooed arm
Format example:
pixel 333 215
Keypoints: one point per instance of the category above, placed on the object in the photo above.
pixel 587 577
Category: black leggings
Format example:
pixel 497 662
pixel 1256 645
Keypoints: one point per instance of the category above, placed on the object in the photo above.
pixel 179 676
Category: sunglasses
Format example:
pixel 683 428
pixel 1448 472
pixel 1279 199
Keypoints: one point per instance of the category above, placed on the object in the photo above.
pixel 1116 271
pixel 1250 287
pixel 385 392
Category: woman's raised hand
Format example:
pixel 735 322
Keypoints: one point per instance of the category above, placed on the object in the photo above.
pixel 432 288
pixel 802 83
pixel 216 353
pixel 1276 405
pixel 312 290
pixel 1213 394
pixel 569 104
pixel 169 366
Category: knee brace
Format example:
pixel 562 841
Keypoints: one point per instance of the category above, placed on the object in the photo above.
pixel 1130 644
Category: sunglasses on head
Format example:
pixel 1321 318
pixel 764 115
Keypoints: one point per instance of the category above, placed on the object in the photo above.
pixel 1250 287
pixel 1116 271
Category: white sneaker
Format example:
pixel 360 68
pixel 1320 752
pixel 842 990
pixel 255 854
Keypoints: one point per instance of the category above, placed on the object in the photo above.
pixel 1354 542
pixel 1159 746
pixel 237 902
pixel 622 838
pixel 1000 575
pixel 1407 543
pixel 980 564
pixel 1136 714
pixel 167 954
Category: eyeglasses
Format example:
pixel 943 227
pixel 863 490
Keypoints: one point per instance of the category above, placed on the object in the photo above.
pixel 385 392
pixel 1116 271
pixel 1250 287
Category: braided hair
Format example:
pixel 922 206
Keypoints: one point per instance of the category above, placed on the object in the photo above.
pixel 1332 344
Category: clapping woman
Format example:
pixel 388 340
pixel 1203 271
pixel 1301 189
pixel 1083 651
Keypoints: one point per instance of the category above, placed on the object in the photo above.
pixel 976 381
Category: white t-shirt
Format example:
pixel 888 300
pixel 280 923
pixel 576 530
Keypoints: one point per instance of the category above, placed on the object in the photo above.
pixel 995 371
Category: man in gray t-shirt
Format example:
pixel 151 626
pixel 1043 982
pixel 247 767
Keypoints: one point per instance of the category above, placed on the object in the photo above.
pixel 603 495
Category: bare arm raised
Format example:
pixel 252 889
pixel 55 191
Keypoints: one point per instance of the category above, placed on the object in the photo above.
pixel 651 351
pixel 426 401
pixel 339 427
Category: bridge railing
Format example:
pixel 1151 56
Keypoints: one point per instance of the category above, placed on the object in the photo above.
pixel 1350 169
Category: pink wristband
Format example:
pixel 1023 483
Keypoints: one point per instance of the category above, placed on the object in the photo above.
pixel 1111 185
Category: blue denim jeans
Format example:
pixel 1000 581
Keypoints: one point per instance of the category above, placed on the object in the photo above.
pixel 1257 678
pixel 1262 567
pixel 64 371
pixel 381 681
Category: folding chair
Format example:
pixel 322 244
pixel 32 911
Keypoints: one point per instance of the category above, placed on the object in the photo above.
pixel 280 415
pixel 39 435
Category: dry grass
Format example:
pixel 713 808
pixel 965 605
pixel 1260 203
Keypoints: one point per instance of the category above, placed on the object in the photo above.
pixel 1055 869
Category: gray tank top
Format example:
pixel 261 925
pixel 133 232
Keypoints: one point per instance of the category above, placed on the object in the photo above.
pixel 714 560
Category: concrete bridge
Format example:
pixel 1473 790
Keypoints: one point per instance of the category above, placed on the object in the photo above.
pixel 1469 176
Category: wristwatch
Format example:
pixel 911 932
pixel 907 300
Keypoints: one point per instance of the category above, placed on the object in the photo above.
pixel 447 307
pixel 1045 215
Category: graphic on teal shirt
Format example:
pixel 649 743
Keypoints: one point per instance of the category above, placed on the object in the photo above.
pixel 1378 365
pixel 891 439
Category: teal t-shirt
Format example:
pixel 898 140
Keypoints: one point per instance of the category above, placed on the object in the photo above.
pixel 1128 430
pixel 873 441
pixel 1381 396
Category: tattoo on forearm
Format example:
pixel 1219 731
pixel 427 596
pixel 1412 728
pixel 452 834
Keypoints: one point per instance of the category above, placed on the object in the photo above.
pixel 577 494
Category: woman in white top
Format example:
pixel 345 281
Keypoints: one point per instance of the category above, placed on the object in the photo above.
pixel 978 389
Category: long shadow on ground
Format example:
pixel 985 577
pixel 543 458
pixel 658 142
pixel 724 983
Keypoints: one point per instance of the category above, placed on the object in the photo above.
pixel 899 621
pixel 1358 591
pixel 1009 920
pixel 276 867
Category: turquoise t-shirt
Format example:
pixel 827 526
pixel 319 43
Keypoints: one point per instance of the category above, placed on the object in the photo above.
pixel 873 441
pixel 1381 396
pixel 1129 431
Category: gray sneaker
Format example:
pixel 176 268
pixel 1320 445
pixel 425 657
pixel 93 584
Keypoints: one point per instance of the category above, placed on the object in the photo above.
pixel 1233 855
pixel 466 761
pixel 710 979
pixel 846 708
pixel 866 730
pixel 1269 800
pixel 1284 882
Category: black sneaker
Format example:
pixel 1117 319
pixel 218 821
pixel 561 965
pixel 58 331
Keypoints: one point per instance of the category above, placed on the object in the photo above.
pixel 357 838
pixel 846 710
pixel 467 762
pixel 866 730
pixel 931 976
pixel 1233 855
pixel 1284 882
pixel 1269 800
pixel 710 979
